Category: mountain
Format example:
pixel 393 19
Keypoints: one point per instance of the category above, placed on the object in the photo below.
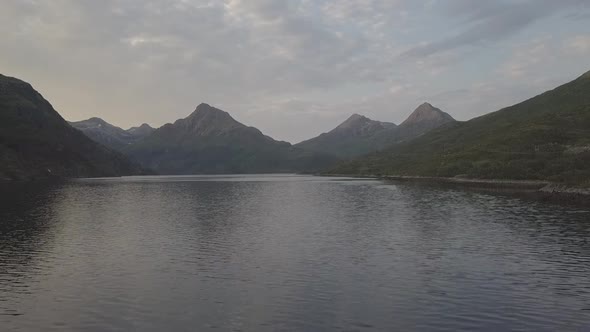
pixel 354 137
pixel 141 132
pixel 360 135
pixel 36 142
pixel 544 138
pixel 111 136
pixel 211 141
pixel 424 119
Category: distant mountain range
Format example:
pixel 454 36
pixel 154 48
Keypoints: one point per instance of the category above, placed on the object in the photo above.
pixel 544 138
pixel 360 135
pixel 36 142
pixel 211 141
pixel 111 136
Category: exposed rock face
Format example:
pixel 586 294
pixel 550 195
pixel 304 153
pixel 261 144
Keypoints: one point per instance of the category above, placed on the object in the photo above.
pixel 425 118
pixel 426 113
pixel 36 142
pixel 111 136
pixel 208 121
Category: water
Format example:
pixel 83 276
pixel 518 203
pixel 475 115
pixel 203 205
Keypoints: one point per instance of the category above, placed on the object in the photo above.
pixel 284 253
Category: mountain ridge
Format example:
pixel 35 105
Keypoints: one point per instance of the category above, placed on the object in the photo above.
pixel 209 141
pixel 36 142
pixel 142 130
pixel 359 135
pixel 110 135
pixel 546 137
pixel 427 113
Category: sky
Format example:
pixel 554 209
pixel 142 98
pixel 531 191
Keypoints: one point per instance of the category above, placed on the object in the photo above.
pixel 292 68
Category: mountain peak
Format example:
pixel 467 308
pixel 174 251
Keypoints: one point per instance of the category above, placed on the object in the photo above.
pixel 94 122
pixel 208 120
pixel 142 131
pixel 45 145
pixel 353 121
pixel 426 113
pixel 206 110
pixel 358 124
pixel 204 107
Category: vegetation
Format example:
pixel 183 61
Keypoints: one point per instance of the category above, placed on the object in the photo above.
pixel 359 135
pixel 356 136
pixel 36 142
pixel 544 138
pixel 211 141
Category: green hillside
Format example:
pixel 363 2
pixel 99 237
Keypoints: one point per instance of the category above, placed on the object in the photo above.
pixel 544 138
pixel 36 142
pixel 360 135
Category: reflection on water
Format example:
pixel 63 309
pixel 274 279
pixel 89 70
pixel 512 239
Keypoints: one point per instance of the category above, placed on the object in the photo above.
pixel 275 253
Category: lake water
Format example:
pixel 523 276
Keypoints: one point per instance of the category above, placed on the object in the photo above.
pixel 287 253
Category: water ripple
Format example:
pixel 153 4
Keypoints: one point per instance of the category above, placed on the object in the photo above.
pixel 284 253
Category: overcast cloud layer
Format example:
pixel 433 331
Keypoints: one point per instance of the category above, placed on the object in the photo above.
pixel 292 68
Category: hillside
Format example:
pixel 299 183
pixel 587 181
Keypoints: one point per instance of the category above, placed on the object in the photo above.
pixel 111 136
pixel 211 141
pixel 544 138
pixel 359 135
pixel 36 142
pixel 140 132
pixel 424 119
pixel 354 137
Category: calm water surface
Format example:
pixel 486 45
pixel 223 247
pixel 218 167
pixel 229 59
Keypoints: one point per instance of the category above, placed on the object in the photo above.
pixel 285 253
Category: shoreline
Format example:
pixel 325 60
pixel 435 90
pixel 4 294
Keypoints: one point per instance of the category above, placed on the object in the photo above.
pixel 543 190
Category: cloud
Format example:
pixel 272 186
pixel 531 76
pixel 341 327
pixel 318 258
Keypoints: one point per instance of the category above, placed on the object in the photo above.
pixel 579 45
pixel 527 58
pixel 293 68
pixel 490 21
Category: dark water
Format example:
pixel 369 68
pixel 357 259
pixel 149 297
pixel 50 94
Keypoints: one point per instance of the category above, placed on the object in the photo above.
pixel 279 253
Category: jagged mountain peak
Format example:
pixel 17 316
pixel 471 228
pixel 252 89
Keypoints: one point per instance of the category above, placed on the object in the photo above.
pixel 208 120
pixel 427 113
pixel 206 109
pixel 361 122
pixel 353 121
pixel 209 140
pixel 357 116
pixel 353 137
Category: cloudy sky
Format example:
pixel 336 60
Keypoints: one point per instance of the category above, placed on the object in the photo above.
pixel 292 68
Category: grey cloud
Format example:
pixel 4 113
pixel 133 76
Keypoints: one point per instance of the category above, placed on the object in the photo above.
pixel 491 21
pixel 294 68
